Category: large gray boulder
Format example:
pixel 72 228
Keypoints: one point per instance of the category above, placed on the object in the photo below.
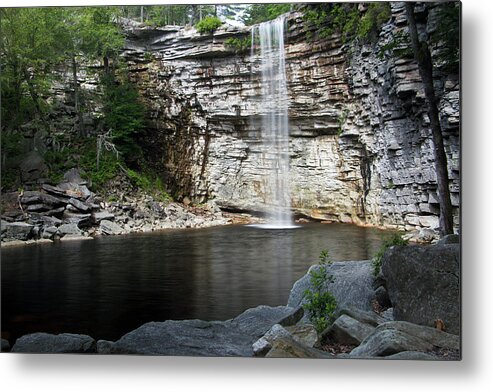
pixel 17 230
pixel 434 336
pixel 32 167
pixel 47 343
pixel 110 228
pixel 423 283
pixel 396 336
pixel 352 286
pixel 69 229
pixel 288 347
pixel 346 330
pixel 233 337
pixel 384 342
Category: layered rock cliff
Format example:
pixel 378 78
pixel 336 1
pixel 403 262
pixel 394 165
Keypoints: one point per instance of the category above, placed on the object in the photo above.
pixel 360 143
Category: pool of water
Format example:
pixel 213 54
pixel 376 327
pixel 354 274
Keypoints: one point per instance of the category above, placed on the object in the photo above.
pixel 110 285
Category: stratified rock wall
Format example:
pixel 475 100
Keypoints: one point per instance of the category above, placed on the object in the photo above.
pixel 360 147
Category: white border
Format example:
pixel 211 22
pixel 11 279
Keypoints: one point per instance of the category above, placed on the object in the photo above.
pixel 473 373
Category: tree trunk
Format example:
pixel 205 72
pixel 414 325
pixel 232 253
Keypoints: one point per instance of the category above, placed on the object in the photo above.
pixel 106 63
pixel 425 65
pixel 80 125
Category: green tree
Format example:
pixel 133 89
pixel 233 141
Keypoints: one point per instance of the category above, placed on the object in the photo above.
pixel 258 13
pixel 91 33
pixel 29 51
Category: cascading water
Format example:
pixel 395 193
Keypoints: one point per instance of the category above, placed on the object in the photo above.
pixel 275 128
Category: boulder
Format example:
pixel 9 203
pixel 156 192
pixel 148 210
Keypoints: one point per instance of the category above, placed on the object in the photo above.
pixel 97 217
pixel 75 190
pixel 423 283
pixel 449 239
pixel 433 336
pixel 384 342
pixel 73 176
pixel 5 348
pixel 352 286
pixel 233 337
pixel 80 220
pixel 305 334
pixel 81 206
pixel 382 297
pixel 288 347
pixel 32 167
pixel 35 197
pixel 367 317
pixel 348 331
pixel 48 343
pixel 49 232
pixel 413 356
pixel 110 228
pixel 262 346
pixel 69 229
pixel 18 230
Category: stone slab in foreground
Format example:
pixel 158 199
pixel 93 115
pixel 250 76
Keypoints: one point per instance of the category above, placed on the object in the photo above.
pixel 41 342
pixel 201 338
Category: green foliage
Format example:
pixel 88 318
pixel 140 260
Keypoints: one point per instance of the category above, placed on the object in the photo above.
pixel 124 115
pixel 258 13
pixel 399 47
pixel 342 119
pixel 82 154
pixel 150 183
pixel 376 15
pixel 346 19
pixel 320 304
pixel 396 239
pixel 446 37
pixel 239 44
pixel 208 24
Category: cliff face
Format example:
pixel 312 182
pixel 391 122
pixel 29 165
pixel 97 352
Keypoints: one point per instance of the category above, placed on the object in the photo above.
pixel 360 143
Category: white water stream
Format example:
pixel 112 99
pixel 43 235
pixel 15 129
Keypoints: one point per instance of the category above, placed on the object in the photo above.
pixel 275 127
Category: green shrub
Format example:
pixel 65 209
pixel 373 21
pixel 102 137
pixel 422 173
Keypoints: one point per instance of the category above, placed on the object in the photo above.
pixel 320 304
pixel 345 18
pixel 149 183
pixel 208 24
pixel 396 239
pixel 239 44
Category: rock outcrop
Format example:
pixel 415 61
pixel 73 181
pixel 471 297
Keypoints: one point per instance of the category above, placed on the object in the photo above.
pixel 48 343
pixel 201 338
pixel 360 146
pixel 423 284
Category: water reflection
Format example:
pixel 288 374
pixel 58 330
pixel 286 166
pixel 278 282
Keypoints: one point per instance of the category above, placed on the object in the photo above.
pixel 111 285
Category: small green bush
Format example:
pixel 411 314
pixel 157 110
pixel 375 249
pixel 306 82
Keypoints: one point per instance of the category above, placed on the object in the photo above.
pixel 239 44
pixel 208 24
pixel 150 183
pixel 320 304
pixel 396 239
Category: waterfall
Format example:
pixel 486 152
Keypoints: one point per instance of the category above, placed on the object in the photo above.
pixel 275 127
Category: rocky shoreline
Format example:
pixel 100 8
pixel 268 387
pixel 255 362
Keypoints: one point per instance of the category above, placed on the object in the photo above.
pixel 420 324
pixel 70 211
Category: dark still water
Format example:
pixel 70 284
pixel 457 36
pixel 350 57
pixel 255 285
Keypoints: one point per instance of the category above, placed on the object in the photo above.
pixel 110 285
